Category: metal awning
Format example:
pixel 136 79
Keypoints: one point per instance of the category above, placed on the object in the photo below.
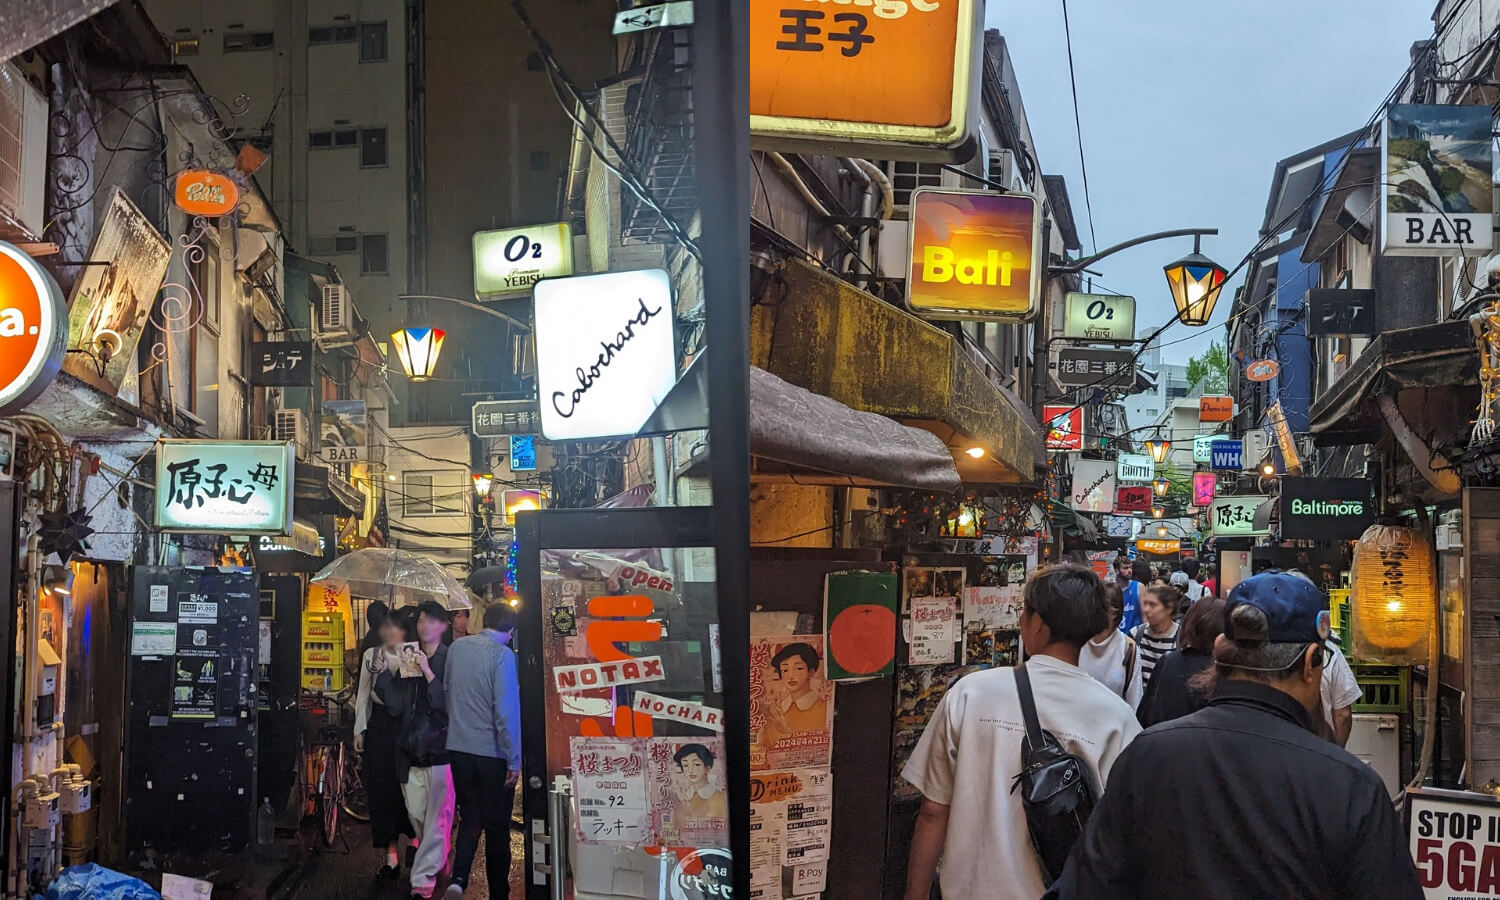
pixel 321 492
pixel 685 408
pixel 1441 355
pixel 799 428
pixel 1349 206
pixel 26 23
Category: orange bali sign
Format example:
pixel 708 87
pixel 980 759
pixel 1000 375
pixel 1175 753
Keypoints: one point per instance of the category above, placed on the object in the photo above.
pixel 882 74
pixel 1215 409
pixel 200 192
pixel 33 328
pixel 974 255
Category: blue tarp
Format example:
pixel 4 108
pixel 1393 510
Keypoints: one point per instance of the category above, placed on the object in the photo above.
pixel 92 881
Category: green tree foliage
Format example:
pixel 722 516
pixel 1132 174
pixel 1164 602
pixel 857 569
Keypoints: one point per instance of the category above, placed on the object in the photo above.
pixel 1211 368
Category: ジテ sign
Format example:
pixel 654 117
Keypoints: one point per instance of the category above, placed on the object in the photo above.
pixel 33 329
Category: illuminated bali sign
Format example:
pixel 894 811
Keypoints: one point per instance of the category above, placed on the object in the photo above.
pixel 893 76
pixel 33 329
pixel 605 352
pixel 199 192
pixel 1337 509
pixel 508 261
pixel 974 255
pixel 225 487
pixel 1437 196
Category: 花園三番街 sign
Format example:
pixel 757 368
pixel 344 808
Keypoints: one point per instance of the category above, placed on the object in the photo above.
pixel 974 255
pixel 894 75
pixel 225 487
pixel 33 328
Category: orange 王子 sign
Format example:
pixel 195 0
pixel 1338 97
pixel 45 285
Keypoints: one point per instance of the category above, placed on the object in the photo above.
pixel 862 71
pixel 974 255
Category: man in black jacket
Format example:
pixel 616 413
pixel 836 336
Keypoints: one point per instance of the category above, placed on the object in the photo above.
pixel 1260 806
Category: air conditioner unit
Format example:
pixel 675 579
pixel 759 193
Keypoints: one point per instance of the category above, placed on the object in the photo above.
pixel 335 316
pixel 23 150
pixel 1002 166
pixel 291 425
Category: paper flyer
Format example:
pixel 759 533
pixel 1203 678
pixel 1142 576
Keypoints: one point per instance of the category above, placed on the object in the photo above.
pixel 934 629
pixel 859 612
pixel 609 784
pixel 790 826
pixel 689 806
pixel 930 581
pixel 791 703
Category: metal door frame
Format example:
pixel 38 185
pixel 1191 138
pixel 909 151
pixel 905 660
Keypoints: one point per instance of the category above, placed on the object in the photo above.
pixel 588 529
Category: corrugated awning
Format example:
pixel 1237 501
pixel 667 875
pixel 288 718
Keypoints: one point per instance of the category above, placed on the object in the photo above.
pixel 321 492
pixel 797 427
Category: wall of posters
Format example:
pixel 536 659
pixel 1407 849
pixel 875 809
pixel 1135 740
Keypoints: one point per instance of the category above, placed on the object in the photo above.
pixel 791 819
pixel 791 703
pixel 110 302
pixel 859 611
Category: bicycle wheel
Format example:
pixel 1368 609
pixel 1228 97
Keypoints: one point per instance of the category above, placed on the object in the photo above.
pixel 333 776
pixel 352 799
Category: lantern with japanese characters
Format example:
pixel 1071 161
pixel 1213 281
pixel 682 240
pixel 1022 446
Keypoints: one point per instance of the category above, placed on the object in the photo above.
pixel 1393 596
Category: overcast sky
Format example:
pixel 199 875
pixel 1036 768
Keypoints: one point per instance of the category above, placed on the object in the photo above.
pixel 1176 141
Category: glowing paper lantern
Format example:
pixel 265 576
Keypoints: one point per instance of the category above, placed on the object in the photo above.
pixel 1393 596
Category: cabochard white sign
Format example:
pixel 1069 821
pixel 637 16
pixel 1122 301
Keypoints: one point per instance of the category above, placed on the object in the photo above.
pixel 606 352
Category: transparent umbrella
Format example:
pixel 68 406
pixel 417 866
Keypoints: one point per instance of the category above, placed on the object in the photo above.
pixel 399 577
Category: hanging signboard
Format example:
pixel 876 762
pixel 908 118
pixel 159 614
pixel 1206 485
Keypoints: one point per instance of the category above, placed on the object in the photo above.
pixel 1158 546
pixel 523 453
pixel 606 352
pixel 1064 427
pixel 1133 467
pixel 974 255
pixel 1235 516
pixel 1336 509
pixel 344 432
pixel 1099 317
pixel 1205 485
pixel 1093 486
pixel 498 418
pixel 1203 446
pixel 113 295
pixel 225 487
pixel 1262 370
pixel 1284 440
pixel 1227 454
pixel 199 192
pixel 814 73
pixel 1437 196
pixel 33 328
pixel 1343 311
pixel 281 363
pixel 1132 498
pixel 1117 526
pixel 1215 409
pixel 1091 367
pixel 508 261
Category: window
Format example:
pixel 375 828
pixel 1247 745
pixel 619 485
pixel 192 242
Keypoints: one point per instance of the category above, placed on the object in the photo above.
pixel 333 245
pixel 372 42
pixel 373 255
pixel 186 46
pixel 372 147
pixel 331 34
pixel 438 493
pixel 345 137
pixel 239 41
pixel 319 140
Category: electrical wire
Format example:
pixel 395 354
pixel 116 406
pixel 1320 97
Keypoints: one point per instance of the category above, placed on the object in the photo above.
pixel 1078 126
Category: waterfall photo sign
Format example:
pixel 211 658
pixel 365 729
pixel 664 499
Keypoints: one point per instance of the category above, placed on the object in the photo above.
pixel 1437 196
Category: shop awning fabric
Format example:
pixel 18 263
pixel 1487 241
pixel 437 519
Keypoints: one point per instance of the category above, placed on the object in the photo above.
pixel 794 426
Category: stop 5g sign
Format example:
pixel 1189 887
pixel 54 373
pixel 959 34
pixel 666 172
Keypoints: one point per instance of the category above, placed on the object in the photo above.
pixel 1099 317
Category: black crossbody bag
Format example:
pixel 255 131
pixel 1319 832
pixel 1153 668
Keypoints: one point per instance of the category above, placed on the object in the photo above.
pixel 1055 785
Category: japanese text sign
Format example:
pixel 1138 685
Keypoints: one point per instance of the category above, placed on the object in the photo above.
pixel 508 261
pixel 1159 547
pixel 1133 467
pixel 1203 447
pixel 1205 485
pixel 888 73
pixel 225 487
pixel 498 418
pixel 1087 366
pixel 1235 516
pixel 974 255
pixel 1064 427
pixel 1345 311
pixel 1132 498
pixel 281 363
pixel 33 328
pixel 1215 409
pixel 1099 317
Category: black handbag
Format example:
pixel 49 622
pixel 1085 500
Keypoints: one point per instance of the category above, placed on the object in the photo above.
pixel 424 733
pixel 1056 788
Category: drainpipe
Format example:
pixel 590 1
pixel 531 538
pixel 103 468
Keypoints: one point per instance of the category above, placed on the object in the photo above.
pixel 1435 467
pixel 866 210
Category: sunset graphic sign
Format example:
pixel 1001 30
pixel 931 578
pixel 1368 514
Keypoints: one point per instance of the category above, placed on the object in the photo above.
pixel 974 255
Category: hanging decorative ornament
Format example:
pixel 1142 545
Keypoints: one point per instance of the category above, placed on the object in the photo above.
pixel 65 533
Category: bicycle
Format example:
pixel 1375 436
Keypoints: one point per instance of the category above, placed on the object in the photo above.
pixel 325 764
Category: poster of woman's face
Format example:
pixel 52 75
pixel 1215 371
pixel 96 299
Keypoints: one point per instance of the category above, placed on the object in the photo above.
pixel 689 797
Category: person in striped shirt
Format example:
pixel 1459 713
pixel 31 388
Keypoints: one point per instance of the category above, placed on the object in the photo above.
pixel 1158 632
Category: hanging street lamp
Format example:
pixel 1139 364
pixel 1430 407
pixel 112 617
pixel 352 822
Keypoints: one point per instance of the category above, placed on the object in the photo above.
pixel 1195 281
pixel 1158 512
pixel 483 482
pixel 1162 486
pixel 418 350
pixel 1159 449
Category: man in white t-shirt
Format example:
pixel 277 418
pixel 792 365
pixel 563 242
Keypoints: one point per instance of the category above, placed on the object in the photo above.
pixel 1340 690
pixel 971 751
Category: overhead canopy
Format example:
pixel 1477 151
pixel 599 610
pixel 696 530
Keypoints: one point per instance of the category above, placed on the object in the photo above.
pixel 321 492
pixel 26 23
pixel 794 426
pixel 1441 355
pixel 1349 207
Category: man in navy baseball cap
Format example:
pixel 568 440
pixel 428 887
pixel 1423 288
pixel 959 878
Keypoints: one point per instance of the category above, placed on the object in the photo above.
pixel 1256 804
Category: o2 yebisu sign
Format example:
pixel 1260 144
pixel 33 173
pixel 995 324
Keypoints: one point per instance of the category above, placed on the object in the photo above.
pixel 606 352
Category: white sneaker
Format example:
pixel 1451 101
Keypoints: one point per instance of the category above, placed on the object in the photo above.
pixel 454 892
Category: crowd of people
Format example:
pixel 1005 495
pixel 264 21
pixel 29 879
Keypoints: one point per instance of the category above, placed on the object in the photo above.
pixel 1221 722
pixel 437 724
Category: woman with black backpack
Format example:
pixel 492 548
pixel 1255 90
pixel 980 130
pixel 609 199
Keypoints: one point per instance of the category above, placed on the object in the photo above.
pixel 421 748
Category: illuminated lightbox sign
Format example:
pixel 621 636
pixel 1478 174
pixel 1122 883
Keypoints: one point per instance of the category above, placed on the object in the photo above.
pixel 508 261
pixel 1235 516
pixel 225 487
pixel 1099 317
pixel 1326 508
pixel 974 255
pixel 1437 196
pixel 1203 447
pixel 605 352
pixel 33 328
pixel 1133 467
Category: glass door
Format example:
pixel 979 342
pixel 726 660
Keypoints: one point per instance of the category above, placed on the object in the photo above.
pixel 624 770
